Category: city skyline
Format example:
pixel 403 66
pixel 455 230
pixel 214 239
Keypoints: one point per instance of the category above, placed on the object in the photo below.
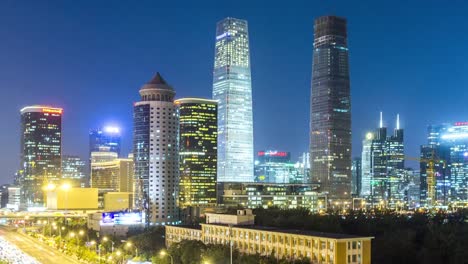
pixel 76 126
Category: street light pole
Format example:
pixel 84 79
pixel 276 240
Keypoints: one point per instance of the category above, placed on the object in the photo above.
pixel 230 241
pixel 164 253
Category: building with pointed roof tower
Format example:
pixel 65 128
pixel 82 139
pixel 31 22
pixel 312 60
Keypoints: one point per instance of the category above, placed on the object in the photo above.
pixel 155 149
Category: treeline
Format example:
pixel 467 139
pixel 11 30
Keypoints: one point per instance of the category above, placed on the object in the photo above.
pixel 416 238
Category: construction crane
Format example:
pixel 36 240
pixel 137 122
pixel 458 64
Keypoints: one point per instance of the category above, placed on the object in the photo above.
pixel 430 173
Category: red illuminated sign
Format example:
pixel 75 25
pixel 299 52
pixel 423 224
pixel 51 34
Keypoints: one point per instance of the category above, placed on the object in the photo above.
pixel 272 153
pixel 52 110
pixel 461 123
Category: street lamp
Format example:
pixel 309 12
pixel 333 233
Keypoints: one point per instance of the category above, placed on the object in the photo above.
pixel 93 243
pixel 129 245
pixel 105 239
pixel 164 253
pixel 118 253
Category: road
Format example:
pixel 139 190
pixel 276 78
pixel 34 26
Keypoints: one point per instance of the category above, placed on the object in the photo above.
pixel 41 252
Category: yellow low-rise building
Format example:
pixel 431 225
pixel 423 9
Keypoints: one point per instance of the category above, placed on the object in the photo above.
pixel 72 199
pixel 290 244
pixel 114 201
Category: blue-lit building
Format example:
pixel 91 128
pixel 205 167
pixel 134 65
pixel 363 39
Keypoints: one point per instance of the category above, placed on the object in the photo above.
pixel 105 137
pixel 448 144
pixel 274 166
pixel 232 89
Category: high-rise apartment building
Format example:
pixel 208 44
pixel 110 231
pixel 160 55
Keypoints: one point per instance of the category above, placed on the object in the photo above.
pixel 232 89
pixel 330 114
pixel 41 151
pixel 198 129
pixel 74 170
pixel 156 153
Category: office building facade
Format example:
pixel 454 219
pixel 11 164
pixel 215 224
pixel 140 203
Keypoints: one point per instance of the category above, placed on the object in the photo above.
pixel 41 151
pixel 74 170
pixel 111 174
pixel 105 137
pixel 198 128
pixel 330 114
pixel 265 195
pixel 384 178
pixel 156 153
pixel 232 89
pixel 272 166
pixel 356 173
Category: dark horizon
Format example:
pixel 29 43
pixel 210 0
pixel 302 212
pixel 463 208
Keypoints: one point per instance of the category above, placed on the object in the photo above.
pixel 92 58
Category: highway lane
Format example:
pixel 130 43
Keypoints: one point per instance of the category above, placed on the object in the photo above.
pixel 43 253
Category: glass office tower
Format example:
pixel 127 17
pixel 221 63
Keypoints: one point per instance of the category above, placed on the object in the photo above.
pixel 232 89
pixel 198 129
pixel 41 151
pixel 105 137
pixel 330 114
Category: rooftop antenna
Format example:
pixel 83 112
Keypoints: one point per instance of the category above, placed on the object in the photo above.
pixel 381 120
pixel 398 121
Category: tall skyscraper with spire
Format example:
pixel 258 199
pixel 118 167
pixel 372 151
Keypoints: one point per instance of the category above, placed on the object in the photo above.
pixel 232 89
pixel 383 166
pixel 330 113
pixel 156 153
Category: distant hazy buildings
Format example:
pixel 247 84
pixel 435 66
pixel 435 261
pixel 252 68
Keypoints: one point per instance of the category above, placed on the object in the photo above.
pixel 74 170
pixel 273 166
pixel 156 152
pixel 198 128
pixel 330 127
pixel 41 151
pixel 232 89
pixel 265 195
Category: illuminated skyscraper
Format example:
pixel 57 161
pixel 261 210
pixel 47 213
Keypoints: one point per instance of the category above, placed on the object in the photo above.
pixel 448 144
pixel 156 153
pixel 330 126
pixel 384 178
pixel 198 129
pixel 232 89
pixel 41 151
pixel 106 137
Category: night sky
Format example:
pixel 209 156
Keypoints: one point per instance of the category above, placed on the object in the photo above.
pixel 91 58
